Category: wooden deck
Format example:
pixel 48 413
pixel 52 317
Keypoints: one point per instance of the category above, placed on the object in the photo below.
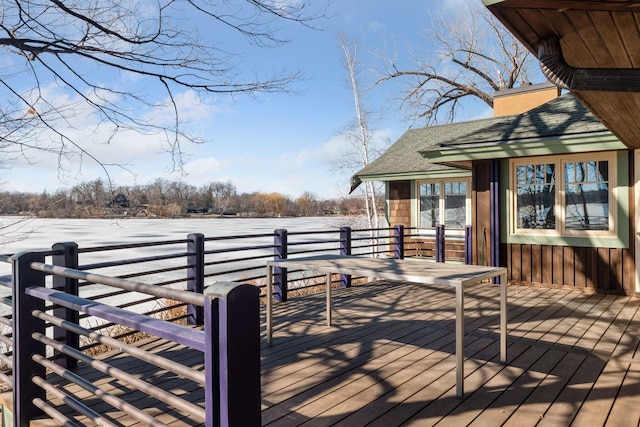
pixel 389 360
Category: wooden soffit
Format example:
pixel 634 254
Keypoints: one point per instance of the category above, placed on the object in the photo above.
pixel 592 48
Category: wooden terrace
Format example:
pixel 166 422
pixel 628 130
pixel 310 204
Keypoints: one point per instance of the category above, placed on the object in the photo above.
pixel 389 360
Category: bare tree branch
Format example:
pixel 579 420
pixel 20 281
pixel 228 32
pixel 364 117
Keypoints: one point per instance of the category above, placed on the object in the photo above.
pixel 474 57
pixel 104 54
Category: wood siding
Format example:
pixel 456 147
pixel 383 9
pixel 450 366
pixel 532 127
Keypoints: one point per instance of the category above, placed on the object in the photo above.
pixel 480 215
pixel 601 270
pixel 399 203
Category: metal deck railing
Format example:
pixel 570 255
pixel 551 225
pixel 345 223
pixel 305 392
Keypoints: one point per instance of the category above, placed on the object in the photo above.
pixel 67 304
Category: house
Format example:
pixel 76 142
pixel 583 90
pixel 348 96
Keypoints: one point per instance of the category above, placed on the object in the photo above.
pixel 544 186
pixel 591 48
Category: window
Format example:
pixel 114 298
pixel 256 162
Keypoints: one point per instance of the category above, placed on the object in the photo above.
pixel 443 202
pixel 569 195
pixel 535 189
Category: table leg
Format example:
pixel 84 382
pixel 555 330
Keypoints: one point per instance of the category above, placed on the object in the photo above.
pixel 503 318
pixel 459 340
pixel 269 319
pixel 329 299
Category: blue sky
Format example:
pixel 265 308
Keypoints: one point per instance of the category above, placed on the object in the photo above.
pixel 272 142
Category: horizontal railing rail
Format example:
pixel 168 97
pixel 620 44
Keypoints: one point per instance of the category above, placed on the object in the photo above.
pixel 226 332
pixel 97 296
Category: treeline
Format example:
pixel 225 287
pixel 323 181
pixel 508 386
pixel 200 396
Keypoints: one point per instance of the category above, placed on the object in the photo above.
pixel 169 199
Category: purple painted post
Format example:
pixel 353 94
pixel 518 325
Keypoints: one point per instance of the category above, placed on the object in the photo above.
pixel 195 274
pixel 232 358
pixel 345 249
pixel 440 243
pixel 66 255
pixel 494 192
pixel 468 245
pixel 24 347
pixel 280 278
pixel 212 361
pixel 398 242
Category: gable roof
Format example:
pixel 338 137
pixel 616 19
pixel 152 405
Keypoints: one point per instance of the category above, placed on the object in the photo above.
pixel 562 117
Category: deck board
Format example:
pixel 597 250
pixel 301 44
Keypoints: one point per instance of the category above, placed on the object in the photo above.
pixel 559 343
pixel 388 359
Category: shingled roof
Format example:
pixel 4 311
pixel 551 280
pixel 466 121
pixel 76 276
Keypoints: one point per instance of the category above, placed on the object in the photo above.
pixel 563 116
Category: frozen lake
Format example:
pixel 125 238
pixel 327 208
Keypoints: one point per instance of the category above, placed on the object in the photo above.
pixel 43 233
pixel 97 232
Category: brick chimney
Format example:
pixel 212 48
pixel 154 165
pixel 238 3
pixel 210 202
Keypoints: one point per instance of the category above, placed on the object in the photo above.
pixel 524 98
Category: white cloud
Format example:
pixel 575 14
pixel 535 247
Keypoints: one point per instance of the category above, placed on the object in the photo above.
pixel 192 109
pixel 375 26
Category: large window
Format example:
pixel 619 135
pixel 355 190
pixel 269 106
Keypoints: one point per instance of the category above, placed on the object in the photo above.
pixel 569 195
pixel 443 202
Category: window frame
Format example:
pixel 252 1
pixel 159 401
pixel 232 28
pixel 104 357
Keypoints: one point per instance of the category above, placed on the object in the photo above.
pixel 560 201
pixel 441 204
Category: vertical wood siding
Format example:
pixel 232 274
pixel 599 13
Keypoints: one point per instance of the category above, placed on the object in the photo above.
pixel 481 207
pixel 602 270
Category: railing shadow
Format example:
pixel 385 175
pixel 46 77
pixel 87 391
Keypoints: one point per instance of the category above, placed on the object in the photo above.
pixel 355 372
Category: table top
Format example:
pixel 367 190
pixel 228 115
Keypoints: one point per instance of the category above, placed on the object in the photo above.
pixel 411 270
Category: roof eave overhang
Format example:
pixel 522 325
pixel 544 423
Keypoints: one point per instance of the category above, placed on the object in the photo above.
pixel 402 176
pixel 596 141
pixel 589 47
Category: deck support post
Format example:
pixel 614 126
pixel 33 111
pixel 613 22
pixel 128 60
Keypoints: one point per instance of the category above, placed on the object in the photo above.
pixel 398 241
pixel 195 275
pixel 440 243
pixel 24 346
pixel 66 255
pixel 345 249
pixel 494 231
pixel 232 355
pixel 280 278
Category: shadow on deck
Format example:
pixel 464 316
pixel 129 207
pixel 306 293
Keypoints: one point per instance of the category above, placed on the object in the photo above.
pixel 389 359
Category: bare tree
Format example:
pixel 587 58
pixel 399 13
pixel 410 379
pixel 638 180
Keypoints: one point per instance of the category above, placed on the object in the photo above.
pixel 474 56
pixel 112 58
pixel 222 194
pixel 307 204
pixel 360 135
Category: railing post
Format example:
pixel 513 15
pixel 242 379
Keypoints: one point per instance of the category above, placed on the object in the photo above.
pixel 280 279
pixel 440 243
pixel 494 214
pixel 195 274
pixel 66 255
pixel 398 241
pixel 24 346
pixel 232 358
pixel 468 245
pixel 345 249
